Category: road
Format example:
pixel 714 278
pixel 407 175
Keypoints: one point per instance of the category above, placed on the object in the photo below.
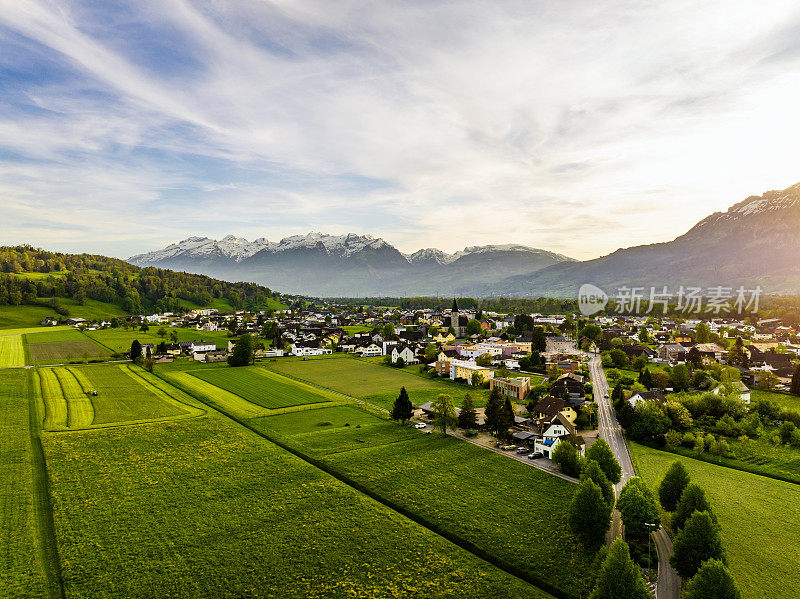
pixel 609 429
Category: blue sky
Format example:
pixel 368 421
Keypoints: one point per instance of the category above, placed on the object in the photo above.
pixel 578 127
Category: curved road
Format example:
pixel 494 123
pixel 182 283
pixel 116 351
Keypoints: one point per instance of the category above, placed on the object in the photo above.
pixel 669 585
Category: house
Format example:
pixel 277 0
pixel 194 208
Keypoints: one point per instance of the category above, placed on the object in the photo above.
pixel 215 356
pixel 554 431
pixel 76 321
pixel 711 351
pixel 371 350
pixel 739 386
pixel 460 369
pixel 571 384
pixel 49 321
pixel 672 352
pixel 404 352
pixel 549 406
pixel 300 350
pixel 638 398
pixel 516 388
pixel 558 344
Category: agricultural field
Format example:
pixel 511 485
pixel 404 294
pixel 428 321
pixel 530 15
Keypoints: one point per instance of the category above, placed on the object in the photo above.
pixel 21 573
pixel 12 351
pixel 759 516
pixel 420 396
pixel 54 347
pixel 119 340
pixel 125 393
pixel 262 387
pixel 219 491
pixel 515 513
pixel 16 317
pixel 363 379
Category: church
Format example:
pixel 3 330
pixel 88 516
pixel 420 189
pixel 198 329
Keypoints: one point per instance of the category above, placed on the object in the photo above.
pixel 459 323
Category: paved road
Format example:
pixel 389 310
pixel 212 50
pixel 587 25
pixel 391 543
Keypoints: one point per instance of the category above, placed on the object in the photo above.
pixel 610 430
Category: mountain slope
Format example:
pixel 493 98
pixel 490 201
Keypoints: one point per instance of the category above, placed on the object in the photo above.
pixel 755 242
pixel 349 265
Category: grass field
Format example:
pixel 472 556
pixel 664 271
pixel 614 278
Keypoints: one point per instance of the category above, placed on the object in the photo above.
pixel 16 317
pixel 12 351
pixel 21 572
pixel 372 382
pixel 784 400
pixel 261 387
pixel 56 352
pixel 204 508
pixel 125 393
pixel 507 509
pixel 759 516
pixel 119 340
pixel 30 316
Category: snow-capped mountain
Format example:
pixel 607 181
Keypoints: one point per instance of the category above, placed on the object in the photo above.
pixel 352 265
pixel 754 242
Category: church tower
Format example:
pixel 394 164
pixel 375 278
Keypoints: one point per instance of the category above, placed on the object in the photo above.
pixel 454 316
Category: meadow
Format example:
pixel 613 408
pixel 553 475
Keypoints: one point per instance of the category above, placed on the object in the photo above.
pixel 205 508
pixel 759 516
pixel 31 315
pixel 21 572
pixel 12 351
pixel 261 387
pixel 119 340
pixel 784 400
pixel 506 509
pixel 56 352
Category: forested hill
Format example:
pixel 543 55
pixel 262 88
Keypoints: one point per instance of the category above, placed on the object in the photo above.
pixel 30 276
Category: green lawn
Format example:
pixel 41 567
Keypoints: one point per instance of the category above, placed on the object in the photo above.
pixel 119 340
pixel 420 396
pixel 507 509
pixel 17 317
pixel 352 330
pixel 12 351
pixel 784 400
pixel 205 508
pixel 759 516
pixel 21 573
pixel 261 387
pixel 54 352
pixel 53 335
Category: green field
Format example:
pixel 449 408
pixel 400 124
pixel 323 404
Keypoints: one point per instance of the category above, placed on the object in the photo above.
pixel 21 573
pixel 119 340
pixel 759 516
pixel 55 352
pixel 125 393
pixel 14 317
pixel 784 400
pixel 507 509
pixel 205 508
pixel 12 351
pixel 31 315
pixel 261 387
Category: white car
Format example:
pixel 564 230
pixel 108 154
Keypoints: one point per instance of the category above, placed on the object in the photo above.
pixel 420 425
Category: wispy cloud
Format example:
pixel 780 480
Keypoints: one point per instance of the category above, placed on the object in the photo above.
pixel 579 129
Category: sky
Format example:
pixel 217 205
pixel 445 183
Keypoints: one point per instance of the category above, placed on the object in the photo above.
pixel 576 127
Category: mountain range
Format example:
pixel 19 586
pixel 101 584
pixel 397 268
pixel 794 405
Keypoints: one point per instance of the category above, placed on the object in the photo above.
pixel 755 242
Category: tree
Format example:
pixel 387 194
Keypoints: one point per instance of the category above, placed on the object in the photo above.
pixel 702 333
pixel 697 542
pixel 645 378
pixel 162 332
pixel 712 581
pixel 619 576
pixel 694 358
pixel 680 378
pixel 444 413
pixel 672 486
pixel 600 452
pixel 243 351
pixel 402 409
pixel 506 418
pixel 794 389
pixel 431 351
pixel 638 508
pixel 467 418
pixel 643 336
pixel 767 381
pixel 484 360
pixel 491 413
pixel 173 336
pixel 592 471
pixel 388 331
pixel 474 327
pixel 567 458
pixel 589 514
pixel 592 331
pixel 136 350
pixel 693 499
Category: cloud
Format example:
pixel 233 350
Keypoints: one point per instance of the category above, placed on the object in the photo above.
pixel 429 123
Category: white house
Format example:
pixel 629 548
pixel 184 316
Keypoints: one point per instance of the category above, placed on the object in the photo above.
pixel 559 430
pixel 638 398
pixel 558 345
pixel 403 351
pixel 310 351
pixel 370 350
pixel 200 346
pixel 744 391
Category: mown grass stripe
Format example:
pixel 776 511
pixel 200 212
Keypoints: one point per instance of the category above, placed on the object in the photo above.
pixel 79 406
pixel 55 405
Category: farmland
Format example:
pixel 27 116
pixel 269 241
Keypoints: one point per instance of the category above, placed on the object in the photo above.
pixel 125 393
pixel 373 382
pixel 12 351
pixel 525 524
pixel 219 492
pixel 262 388
pixel 21 573
pixel 119 340
pixel 71 346
pixel 762 543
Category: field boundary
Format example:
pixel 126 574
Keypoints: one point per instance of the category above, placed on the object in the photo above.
pixel 283 443
pixel 47 546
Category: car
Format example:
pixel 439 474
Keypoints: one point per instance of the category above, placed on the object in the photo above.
pixel 535 456
pixel 523 450
pixel 508 447
pixel 606 396
pixel 420 425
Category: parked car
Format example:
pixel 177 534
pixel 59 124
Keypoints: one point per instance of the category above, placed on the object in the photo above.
pixel 420 425
pixel 508 447
pixel 523 450
pixel 536 455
